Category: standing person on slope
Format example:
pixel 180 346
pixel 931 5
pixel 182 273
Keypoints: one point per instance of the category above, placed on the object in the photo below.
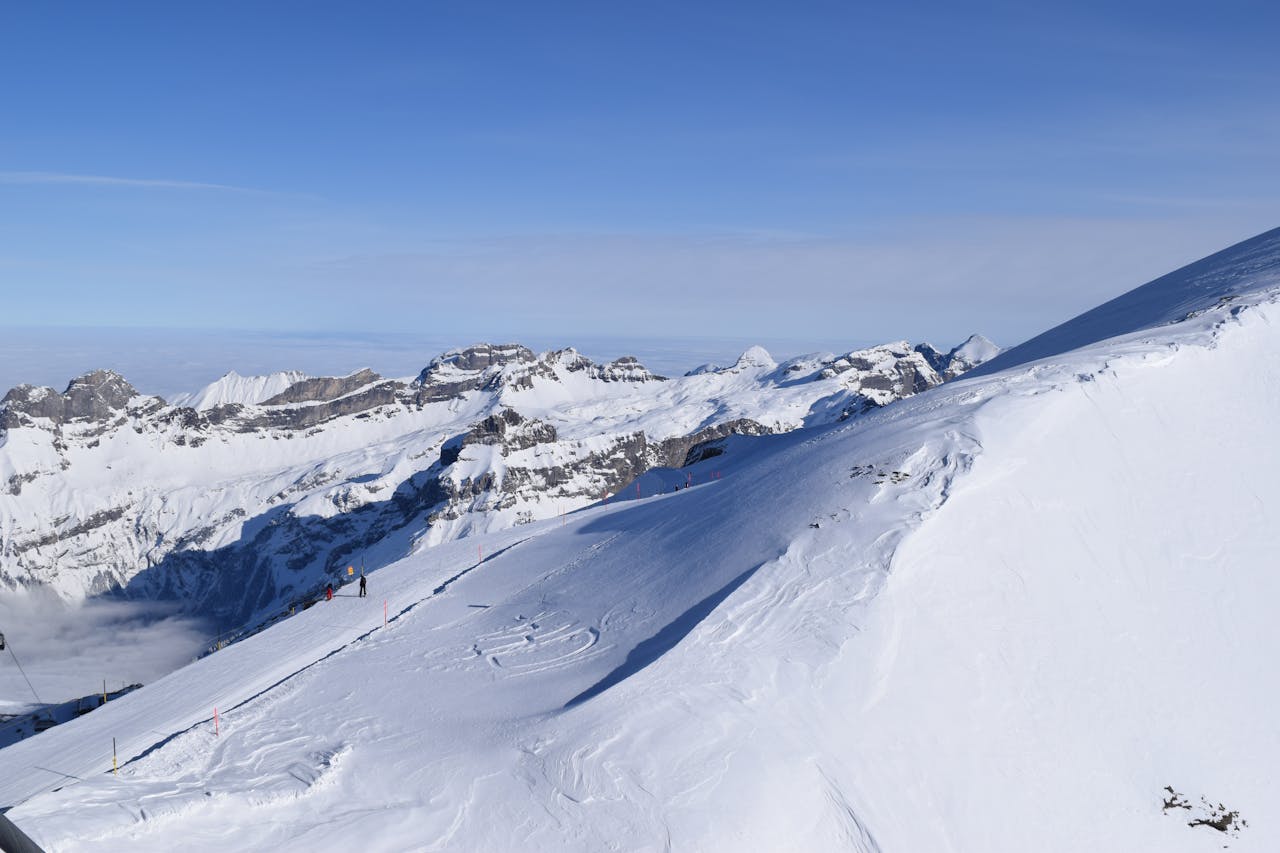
pixel 328 592
pixel 362 586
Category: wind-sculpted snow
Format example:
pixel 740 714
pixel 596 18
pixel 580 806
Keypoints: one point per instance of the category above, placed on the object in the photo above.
pixel 1026 611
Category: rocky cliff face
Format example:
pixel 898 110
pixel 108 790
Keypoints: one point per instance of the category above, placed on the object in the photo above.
pixel 96 396
pixel 239 508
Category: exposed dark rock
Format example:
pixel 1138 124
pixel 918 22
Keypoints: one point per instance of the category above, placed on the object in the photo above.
pixel 458 371
pixel 510 429
pixel 484 356
pixel 683 450
pixel 937 360
pixel 323 389
pixel 17 481
pixel 30 401
pixel 96 396
pixel 388 392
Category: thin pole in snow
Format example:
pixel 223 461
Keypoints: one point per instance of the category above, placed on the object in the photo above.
pixel 115 767
pixel 215 721
pixel 384 613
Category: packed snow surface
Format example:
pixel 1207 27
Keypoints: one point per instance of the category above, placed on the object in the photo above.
pixel 1029 611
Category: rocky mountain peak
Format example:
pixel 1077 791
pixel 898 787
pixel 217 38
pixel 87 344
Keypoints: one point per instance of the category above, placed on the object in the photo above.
pixel 94 396
pixel 461 370
pixel 477 357
pixel 97 394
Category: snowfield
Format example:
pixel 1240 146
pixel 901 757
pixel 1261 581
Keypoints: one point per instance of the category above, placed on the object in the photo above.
pixel 1031 610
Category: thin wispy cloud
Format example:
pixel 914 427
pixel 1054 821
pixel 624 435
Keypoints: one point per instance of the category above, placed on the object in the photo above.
pixel 111 181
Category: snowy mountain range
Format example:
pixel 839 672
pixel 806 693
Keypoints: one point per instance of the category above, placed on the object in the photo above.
pixel 244 498
pixel 1031 609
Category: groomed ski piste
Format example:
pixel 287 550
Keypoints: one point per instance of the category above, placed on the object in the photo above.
pixel 1032 610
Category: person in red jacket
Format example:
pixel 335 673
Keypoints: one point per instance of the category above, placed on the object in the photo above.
pixel 328 593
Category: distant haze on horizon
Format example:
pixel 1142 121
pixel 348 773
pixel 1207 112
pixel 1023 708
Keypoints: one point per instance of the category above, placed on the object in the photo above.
pixel 575 174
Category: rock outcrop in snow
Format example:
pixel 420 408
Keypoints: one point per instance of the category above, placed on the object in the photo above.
pixel 974 351
pixel 96 396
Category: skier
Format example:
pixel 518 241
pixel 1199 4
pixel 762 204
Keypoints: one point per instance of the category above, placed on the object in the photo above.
pixel 362 586
pixel 328 592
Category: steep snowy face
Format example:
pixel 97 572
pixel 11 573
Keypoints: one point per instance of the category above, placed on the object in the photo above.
pixel 234 389
pixel 1028 611
pixel 260 488
pixel 973 352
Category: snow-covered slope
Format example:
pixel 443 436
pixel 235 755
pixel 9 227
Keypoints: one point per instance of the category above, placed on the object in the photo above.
pixel 1025 611
pixel 241 390
pixel 244 500
pixel 1211 282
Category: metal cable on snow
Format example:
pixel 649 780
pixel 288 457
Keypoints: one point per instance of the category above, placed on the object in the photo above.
pixel 24 674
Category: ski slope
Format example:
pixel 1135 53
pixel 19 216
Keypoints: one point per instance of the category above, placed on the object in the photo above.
pixel 1001 615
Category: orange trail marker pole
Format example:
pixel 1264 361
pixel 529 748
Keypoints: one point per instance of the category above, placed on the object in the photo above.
pixel 215 722
pixel 115 767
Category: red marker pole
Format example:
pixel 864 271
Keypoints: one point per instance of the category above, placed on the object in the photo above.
pixel 637 488
pixel 215 722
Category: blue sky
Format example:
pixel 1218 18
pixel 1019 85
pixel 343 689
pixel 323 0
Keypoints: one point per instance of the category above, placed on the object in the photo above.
pixel 785 171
